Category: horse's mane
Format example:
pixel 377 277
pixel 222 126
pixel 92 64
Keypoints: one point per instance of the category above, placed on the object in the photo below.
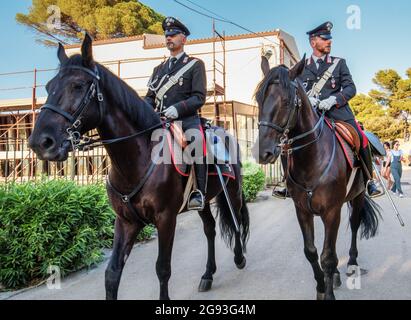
pixel 279 73
pixel 136 109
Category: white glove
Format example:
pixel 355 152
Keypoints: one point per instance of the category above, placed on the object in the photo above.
pixel 328 103
pixel 171 112
pixel 314 101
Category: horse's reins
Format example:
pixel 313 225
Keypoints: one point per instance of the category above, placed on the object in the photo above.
pixel 75 137
pixel 286 142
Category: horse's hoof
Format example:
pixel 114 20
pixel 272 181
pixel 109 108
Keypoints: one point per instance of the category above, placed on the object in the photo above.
pixel 205 285
pixel 320 295
pixel 336 280
pixel 242 264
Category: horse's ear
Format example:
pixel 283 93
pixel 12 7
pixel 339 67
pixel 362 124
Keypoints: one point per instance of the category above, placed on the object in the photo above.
pixel 298 69
pixel 265 66
pixel 87 51
pixel 61 54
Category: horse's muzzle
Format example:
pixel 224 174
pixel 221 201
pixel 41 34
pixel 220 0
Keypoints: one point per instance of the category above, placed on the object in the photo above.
pixel 47 148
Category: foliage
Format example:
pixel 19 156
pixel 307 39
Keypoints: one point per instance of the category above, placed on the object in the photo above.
pixel 376 118
pixel 103 19
pixel 394 93
pixel 385 111
pixel 253 180
pixel 52 223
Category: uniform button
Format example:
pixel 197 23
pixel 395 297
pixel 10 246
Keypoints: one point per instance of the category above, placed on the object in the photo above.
pixel 165 97
pixel 320 94
pixel 318 78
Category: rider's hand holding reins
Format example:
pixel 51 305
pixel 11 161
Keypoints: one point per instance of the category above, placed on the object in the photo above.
pixel 314 101
pixel 171 112
pixel 328 103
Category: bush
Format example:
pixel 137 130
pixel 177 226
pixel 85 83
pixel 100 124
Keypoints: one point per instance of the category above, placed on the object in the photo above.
pixel 52 223
pixel 253 180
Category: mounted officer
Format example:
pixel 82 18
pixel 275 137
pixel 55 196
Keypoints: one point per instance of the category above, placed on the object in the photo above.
pixel 177 89
pixel 329 84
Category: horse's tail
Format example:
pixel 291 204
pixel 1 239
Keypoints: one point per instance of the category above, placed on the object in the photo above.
pixel 369 218
pixel 227 226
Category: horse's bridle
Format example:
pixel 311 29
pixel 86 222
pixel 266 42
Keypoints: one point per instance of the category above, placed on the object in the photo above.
pixel 292 116
pixel 285 142
pixel 75 119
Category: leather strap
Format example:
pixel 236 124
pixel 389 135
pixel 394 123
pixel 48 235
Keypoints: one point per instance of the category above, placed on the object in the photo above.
pixel 317 87
pixel 173 80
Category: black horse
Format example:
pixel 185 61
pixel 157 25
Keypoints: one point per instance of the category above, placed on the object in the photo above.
pixel 317 173
pixel 85 95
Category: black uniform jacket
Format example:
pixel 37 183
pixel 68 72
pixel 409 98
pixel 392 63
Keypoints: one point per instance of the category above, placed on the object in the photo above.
pixel 339 85
pixel 189 94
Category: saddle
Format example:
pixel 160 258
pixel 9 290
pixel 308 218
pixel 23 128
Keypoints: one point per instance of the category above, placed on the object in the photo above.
pixel 348 138
pixel 176 138
pixel 349 134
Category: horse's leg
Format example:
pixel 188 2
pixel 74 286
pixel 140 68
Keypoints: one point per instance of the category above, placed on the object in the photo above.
pixel 239 258
pixel 337 279
pixel 209 230
pixel 236 201
pixel 355 222
pixel 306 221
pixel 124 236
pixel 166 226
pixel 329 260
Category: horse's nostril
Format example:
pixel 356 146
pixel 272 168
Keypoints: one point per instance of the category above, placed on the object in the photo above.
pixel 47 143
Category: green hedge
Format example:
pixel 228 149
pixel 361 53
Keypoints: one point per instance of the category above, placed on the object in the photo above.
pixel 52 223
pixel 253 180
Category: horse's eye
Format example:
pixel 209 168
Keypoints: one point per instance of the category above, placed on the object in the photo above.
pixel 77 86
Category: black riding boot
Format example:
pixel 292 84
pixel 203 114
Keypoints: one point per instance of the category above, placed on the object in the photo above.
pixel 365 154
pixel 197 197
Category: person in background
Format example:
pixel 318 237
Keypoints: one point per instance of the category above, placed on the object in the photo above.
pixel 386 166
pixel 396 158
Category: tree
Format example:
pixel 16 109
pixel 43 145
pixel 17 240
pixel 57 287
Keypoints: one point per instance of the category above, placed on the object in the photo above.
pixel 375 118
pixel 395 94
pixel 102 19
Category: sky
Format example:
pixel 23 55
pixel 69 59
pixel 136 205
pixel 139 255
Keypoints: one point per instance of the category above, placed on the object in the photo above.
pixel 381 41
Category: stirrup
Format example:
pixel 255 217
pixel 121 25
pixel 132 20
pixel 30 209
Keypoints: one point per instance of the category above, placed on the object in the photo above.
pixel 283 194
pixel 198 191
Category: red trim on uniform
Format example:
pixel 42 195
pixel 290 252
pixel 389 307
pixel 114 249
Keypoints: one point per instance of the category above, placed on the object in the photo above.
pixel 329 59
pixel 364 137
pixel 204 141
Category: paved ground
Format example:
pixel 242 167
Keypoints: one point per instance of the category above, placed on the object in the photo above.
pixel 276 266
